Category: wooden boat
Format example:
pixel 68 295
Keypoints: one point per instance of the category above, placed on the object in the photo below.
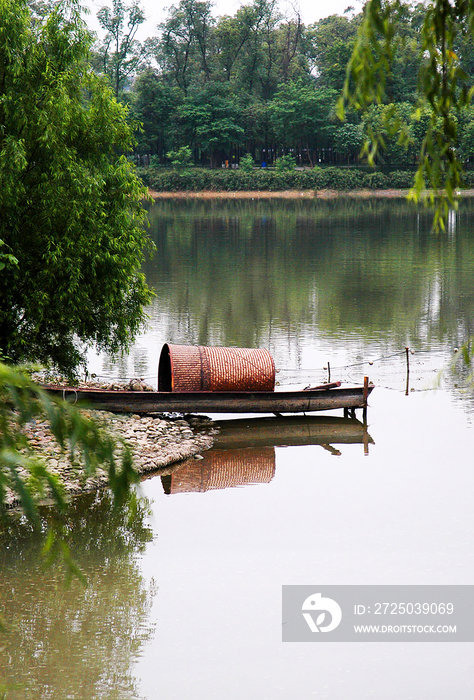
pixel 277 402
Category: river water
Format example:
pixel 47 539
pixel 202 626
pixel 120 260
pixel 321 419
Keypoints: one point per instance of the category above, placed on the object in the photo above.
pixel 184 594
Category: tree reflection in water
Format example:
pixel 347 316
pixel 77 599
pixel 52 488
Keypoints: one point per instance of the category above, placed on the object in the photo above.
pixel 309 269
pixel 75 642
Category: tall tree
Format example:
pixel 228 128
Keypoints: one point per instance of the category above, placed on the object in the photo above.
pixel 231 35
pixel 184 47
pixel 288 40
pixel 153 104
pixel 71 216
pixel 120 54
pixel 209 119
pixel 301 115
pixel 257 70
pixel 329 44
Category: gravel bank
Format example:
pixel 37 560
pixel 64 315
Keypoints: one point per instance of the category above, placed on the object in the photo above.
pixel 293 194
pixel 156 442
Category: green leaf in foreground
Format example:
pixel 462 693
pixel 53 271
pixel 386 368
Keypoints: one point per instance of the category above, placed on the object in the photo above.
pixel 25 477
pixel 443 88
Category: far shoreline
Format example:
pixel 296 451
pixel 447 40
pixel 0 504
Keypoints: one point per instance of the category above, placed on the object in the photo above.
pixel 283 194
pixel 292 194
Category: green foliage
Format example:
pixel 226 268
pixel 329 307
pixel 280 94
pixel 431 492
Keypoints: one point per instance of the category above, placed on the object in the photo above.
pixel 329 44
pixel 469 178
pixel 301 113
pixel 391 133
pixel 466 135
pixel 375 181
pixel 209 120
pixel 6 259
pixel 228 73
pixel 444 87
pixel 181 158
pixel 120 55
pixel 184 48
pixel 26 479
pixel 285 163
pixel 262 83
pixel 341 179
pixel 71 214
pixel 348 139
pixel 400 179
pixel 153 103
pixel 247 163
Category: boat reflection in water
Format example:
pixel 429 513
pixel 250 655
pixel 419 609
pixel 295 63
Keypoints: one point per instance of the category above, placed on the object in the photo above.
pixel 244 450
pixel 220 469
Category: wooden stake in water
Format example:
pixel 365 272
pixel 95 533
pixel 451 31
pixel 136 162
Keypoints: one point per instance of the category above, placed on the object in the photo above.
pixel 407 351
pixel 366 394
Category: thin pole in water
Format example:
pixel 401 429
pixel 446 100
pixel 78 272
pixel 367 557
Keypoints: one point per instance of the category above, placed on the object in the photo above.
pixel 407 351
pixel 366 394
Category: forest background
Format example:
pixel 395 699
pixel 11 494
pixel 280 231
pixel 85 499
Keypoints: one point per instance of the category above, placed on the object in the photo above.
pixel 211 90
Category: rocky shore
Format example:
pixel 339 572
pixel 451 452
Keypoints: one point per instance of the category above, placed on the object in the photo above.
pixel 156 442
pixel 293 194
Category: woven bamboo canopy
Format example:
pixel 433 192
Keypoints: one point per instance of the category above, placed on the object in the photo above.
pixel 200 368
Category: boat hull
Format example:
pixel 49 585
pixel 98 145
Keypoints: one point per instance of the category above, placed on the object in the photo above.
pixel 218 402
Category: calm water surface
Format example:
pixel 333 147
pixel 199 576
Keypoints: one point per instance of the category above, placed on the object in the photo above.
pixel 184 593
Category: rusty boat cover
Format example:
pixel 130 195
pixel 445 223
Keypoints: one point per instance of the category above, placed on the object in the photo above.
pixel 200 368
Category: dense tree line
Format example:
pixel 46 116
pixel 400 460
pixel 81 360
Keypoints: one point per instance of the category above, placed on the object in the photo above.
pixel 261 82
